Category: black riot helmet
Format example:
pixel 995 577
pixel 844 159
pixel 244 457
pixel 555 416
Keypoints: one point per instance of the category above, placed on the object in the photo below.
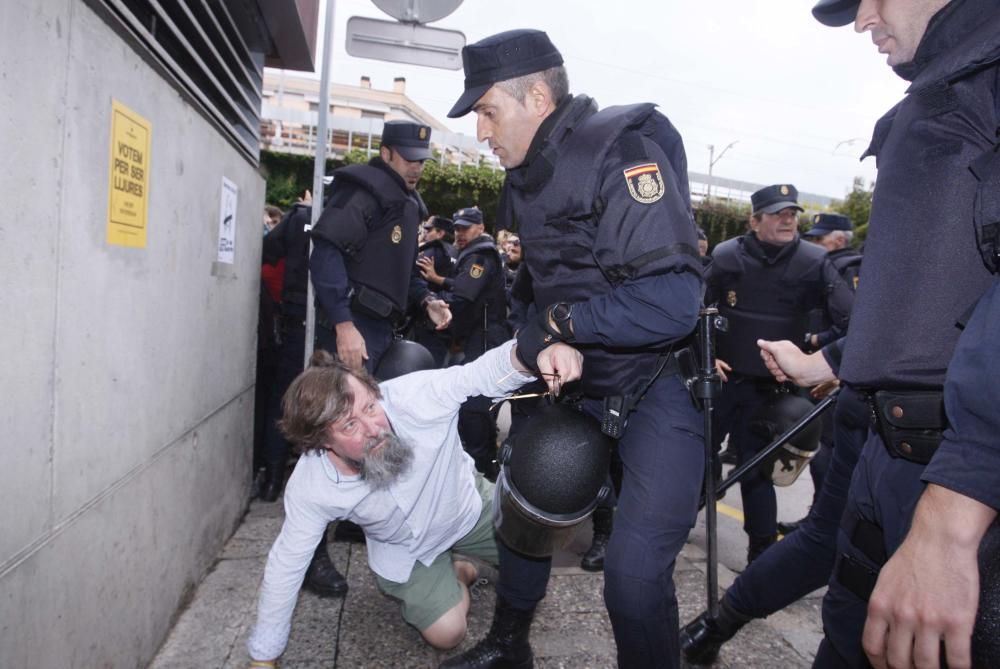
pixel 402 357
pixel 775 417
pixel 552 476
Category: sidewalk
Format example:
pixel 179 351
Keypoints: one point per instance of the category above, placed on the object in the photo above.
pixel 365 630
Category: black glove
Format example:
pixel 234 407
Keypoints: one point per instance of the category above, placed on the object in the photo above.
pixel 553 324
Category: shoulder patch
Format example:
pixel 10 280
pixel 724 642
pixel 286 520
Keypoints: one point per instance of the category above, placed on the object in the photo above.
pixel 645 183
pixel 476 271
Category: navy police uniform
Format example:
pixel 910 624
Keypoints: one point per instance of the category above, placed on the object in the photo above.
pixel 478 303
pixel 933 151
pixel 365 246
pixel 442 254
pixel 602 207
pixel 767 292
pixel 290 241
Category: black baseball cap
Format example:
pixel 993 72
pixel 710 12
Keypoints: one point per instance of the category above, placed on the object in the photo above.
pixel 772 199
pixel 500 57
pixel 468 216
pixel 410 140
pixel 836 13
pixel 441 223
pixel 824 224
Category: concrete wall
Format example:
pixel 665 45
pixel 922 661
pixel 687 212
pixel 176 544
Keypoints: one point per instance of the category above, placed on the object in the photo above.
pixel 127 374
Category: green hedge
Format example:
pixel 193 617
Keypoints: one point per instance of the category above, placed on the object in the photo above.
pixel 445 188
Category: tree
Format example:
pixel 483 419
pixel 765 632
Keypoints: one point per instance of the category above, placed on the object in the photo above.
pixel 857 206
pixel 445 188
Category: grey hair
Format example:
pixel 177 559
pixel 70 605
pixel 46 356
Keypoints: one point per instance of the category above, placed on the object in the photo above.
pixel 555 78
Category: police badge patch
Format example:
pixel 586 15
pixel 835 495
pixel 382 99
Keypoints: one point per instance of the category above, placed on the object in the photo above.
pixel 645 184
pixel 397 234
pixel 731 298
pixel 476 271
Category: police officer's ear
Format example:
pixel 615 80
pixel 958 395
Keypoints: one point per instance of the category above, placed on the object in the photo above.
pixel 385 153
pixel 539 99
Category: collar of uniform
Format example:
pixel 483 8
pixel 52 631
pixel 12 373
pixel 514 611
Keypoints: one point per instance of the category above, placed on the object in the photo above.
pixel 539 162
pixel 477 245
pixel 963 33
pixel 756 250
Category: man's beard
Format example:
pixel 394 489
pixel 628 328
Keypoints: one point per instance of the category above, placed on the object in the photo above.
pixel 383 467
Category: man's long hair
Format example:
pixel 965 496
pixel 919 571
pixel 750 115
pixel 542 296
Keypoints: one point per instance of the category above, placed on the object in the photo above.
pixel 319 396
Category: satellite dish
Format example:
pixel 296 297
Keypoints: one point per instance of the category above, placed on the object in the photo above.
pixel 417 11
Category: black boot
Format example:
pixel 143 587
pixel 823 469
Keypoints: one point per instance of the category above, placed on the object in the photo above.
pixel 274 474
pixel 504 647
pixel 758 545
pixel 322 578
pixel 702 638
pixel 593 559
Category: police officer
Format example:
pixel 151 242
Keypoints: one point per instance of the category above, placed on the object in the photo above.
pixel 766 283
pixel 365 247
pixel 925 489
pixel 834 233
pixel 600 200
pixel 478 302
pixel 436 262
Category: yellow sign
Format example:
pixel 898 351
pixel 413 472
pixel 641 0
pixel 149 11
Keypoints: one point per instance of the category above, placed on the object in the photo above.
pixel 128 183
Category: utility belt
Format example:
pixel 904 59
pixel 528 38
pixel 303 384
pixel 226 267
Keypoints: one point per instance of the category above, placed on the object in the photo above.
pixel 618 407
pixel 369 303
pixel 910 422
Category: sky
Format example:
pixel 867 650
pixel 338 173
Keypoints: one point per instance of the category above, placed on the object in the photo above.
pixel 798 98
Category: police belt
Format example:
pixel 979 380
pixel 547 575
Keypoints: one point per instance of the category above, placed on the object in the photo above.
pixel 910 422
pixel 618 407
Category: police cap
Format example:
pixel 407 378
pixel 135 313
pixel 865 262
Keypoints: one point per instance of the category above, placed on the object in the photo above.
pixel 824 224
pixel 410 140
pixel 500 57
pixel 772 199
pixel 468 216
pixel 836 13
pixel 441 223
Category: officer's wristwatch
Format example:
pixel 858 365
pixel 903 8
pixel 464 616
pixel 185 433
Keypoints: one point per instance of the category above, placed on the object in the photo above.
pixel 561 315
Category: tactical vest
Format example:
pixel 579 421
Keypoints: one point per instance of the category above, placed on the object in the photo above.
pixel 559 217
pixel 986 168
pixel 847 262
pixel 763 298
pixel 293 291
pixel 492 302
pixel 384 262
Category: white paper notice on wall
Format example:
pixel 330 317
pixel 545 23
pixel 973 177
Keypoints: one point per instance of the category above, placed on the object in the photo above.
pixel 227 221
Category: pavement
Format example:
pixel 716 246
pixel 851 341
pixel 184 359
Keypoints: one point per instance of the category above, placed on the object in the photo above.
pixel 365 630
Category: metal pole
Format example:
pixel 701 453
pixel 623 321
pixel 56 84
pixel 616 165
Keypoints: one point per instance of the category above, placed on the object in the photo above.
pixel 789 434
pixel 711 164
pixel 319 170
pixel 706 388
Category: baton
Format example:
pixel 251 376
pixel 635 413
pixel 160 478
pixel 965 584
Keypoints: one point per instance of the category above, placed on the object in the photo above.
pixel 790 434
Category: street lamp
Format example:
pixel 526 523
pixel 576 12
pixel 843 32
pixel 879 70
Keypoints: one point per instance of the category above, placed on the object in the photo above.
pixel 712 160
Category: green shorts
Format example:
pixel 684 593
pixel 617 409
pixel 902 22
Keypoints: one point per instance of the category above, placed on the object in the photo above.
pixel 432 591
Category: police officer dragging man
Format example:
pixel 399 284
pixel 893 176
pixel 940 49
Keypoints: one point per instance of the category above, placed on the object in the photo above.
pixel 601 204
pixel 766 283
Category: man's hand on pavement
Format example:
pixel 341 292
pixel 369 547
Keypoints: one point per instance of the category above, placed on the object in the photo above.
pixel 351 347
